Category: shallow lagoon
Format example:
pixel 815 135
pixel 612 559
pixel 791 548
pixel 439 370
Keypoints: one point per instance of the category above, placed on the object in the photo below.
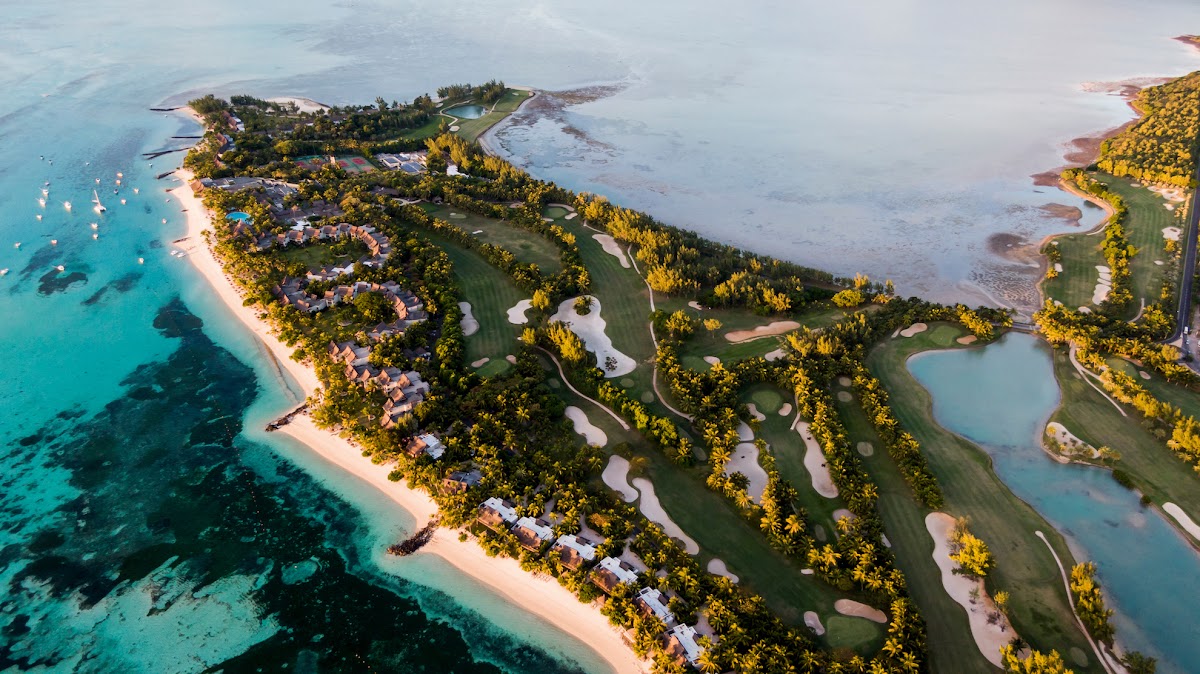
pixel 1001 397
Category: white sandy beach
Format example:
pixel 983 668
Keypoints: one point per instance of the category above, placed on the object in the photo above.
pixel 539 596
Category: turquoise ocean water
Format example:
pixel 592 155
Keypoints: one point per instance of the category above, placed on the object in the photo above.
pixel 1001 397
pixel 147 525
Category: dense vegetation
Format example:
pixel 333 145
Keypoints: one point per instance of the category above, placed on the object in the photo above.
pixel 1162 146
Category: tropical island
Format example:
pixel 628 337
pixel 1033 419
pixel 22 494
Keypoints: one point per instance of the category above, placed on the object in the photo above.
pixel 721 459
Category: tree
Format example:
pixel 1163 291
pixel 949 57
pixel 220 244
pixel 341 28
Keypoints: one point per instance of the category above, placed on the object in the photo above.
pixel 712 325
pixel 583 305
pixel 1036 663
pixel 849 298
pixel 541 300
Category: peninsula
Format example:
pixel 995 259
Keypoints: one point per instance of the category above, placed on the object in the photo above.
pixel 681 453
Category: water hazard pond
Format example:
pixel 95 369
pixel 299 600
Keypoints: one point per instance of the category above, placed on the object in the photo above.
pixel 1000 397
pixel 468 111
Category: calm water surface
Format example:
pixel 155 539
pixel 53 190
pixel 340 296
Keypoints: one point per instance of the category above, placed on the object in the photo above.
pixel 1001 397
pixel 145 524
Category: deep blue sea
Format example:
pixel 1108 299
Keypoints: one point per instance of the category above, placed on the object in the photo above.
pixel 147 525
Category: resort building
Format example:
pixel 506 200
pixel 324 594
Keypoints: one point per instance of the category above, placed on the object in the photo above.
pixel 459 481
pixel 651 602
pixel 532 532
pixel 574 550
pixel 409 162
pixel 425 444
pixel 681 642
pixel 611 572
pixel 496 514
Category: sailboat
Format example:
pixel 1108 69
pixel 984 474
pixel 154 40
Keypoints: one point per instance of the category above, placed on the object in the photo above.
pixel 99 207
pixel 67 205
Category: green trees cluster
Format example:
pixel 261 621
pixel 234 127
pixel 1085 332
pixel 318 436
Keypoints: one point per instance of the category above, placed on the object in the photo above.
pixel 489 92
pixel 1089 602
pixel 1161 147
pixel 1034 663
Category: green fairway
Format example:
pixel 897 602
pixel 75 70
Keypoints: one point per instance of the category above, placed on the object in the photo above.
pixel 788 448
pixel 847 632
pixel 1039 608
pixel 952 648
pixel 1152 466
pixel 526 246
pixel 491 295
pixel 721 532
pixel 494 367
pixel 1144 224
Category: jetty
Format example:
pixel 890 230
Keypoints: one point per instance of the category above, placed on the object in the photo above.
pixel 416 541
pixel 287 418
pixel 155 155
pixel 164 109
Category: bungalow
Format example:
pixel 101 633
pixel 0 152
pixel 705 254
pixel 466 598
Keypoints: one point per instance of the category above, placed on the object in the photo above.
pixel 681 642
pixel 531 532
pixel 652 603
pixel 496 514
pixel 427 443
pixel 574 550
pixel 459 481
pixel 611 572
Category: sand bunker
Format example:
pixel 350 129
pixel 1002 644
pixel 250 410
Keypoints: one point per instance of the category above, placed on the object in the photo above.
pixel 610 246
pixel 814 622
pixel 717 567
pixel 1159 262
pixel 511 358
pixel 1175 194
pixel 1171 233
pixel 886 542
pixel 844 396
pixel 775 355
pixel 1188 524
pixel 1103 284
pixel 654 512
pixel 866 448
pixel 844 381
pixel 469 324
pixel 776 328
pixel 696 305
pixel 785 410
pixel 969 339
pixel 616 475
pixel 516 315
pixel 590 329
pixel 814 462
pixel 745 461
pixel 481 362
pixel 1143 374
pixel 989 638
pixel 755 413
pixel 584 427
pixel 914 329
pixel 842 513
pixel 712 360
pixel 1058 267
pixel 856 609
pixel 745 433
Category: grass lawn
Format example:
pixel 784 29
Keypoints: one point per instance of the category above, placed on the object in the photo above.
pixel 471 129
pixel 1081 252
pixel 1040 609
pixel 491 295
pixel 721 532
pixel 1153 467
pixel 526 246
pixel 315 256
pixel 494 367
pixel 847 632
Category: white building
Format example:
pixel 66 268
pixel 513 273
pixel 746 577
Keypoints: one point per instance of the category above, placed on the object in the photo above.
pixel 506 512
pixel 655 603
pixel 586 550
pixel 622 572
pixel 538 529
pixel 685 637
pixel 433 446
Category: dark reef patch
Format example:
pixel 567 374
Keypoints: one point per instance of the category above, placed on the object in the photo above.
pixel 165 505
pixel 122 285
pixel 54 281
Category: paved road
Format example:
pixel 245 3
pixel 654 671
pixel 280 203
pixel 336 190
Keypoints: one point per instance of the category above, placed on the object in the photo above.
pixel 1182 316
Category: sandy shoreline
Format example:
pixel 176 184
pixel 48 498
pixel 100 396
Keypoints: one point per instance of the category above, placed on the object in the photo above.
pixel 541 596
pixel 486 138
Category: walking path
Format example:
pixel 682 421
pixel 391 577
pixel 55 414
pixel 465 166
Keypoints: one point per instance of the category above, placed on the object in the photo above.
pixel 1108 667
pixel 579 393
pixel 1087 375
pixel 653 338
